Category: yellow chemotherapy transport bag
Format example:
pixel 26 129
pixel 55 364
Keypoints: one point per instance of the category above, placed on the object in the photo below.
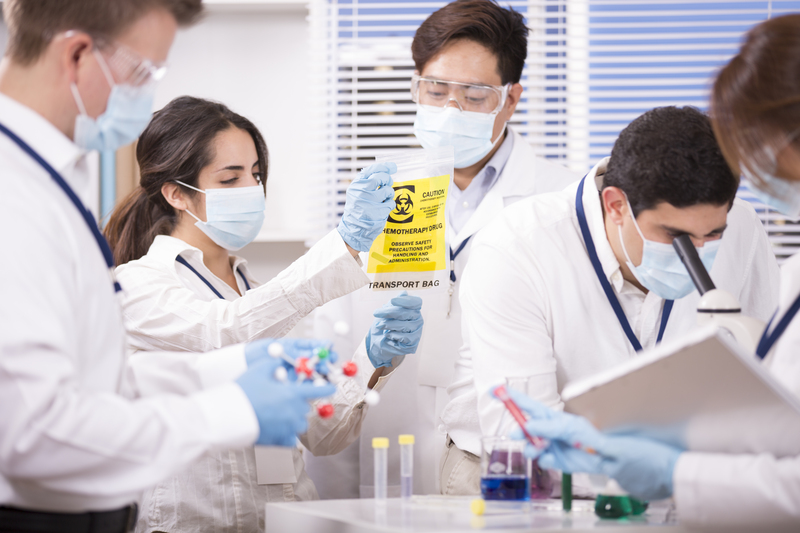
pixel 411 253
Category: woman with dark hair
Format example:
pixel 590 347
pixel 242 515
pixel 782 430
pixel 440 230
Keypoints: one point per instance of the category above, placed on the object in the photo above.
pixel 203 176
pixel 755 110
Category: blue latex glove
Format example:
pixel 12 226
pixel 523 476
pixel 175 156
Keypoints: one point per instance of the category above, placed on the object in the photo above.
pixel 257 351
pixel 370 199
pixel 280 407
pixel 641 466
pixel 396 330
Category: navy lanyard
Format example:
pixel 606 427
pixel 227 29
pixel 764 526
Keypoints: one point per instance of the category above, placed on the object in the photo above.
pixel 87 216
pixel 598 269
pixel 185 263
pixel 768 340
pixel 453 256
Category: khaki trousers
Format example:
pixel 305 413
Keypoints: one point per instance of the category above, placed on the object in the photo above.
pixel 460 471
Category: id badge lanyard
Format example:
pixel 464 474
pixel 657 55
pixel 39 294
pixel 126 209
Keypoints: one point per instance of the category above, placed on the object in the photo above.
pixel 102 243
pixel 451 289
pixel 598 269
pixel 768 339
pixel 185 263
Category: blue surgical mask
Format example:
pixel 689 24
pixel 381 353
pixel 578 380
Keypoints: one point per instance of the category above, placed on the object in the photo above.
pixel 469 133
pixel 661 270
pixel 779 194
pixel 783 195
pixel 128 111
pixel 234 216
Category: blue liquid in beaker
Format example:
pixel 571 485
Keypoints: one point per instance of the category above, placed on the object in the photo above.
pixel 507 488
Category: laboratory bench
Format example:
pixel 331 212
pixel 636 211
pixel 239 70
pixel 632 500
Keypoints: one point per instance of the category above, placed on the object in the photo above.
pixel 452 514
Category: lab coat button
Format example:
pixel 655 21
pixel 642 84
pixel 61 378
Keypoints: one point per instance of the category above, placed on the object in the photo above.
pixel 442 429
pixel 465 204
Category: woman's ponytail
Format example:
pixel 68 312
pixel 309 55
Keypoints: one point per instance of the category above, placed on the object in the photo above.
pixel 135 223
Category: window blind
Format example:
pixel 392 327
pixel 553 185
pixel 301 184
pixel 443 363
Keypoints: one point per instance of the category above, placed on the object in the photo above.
pixel 361 79
pixel 593 66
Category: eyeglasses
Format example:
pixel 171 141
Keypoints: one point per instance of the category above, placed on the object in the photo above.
pixel 467 96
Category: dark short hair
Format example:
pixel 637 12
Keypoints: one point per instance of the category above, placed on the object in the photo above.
pixel 32 24
pixel 755 103
pixel 669 154
pixel 502 31
pixel 176 145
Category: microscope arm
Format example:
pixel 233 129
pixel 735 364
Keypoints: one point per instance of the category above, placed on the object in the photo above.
pixel 716 305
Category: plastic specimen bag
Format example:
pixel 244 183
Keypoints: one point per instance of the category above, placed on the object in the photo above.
pixel 411 253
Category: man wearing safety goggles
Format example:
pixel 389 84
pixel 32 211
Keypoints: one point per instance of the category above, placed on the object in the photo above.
pixel 469 57
pixel 132 79
pixel 470 117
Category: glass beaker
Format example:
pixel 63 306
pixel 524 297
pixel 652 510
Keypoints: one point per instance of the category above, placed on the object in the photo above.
pixel 505 471
pixel 541 482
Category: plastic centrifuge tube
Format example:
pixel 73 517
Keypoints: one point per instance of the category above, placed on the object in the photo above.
pixel 406 465
pixel 380 447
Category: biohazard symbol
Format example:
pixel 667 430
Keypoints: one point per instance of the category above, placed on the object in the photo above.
pixel 403 213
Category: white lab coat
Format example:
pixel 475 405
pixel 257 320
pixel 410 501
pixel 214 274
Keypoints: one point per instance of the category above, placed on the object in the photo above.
pixel 749 491
pixel 69 440
pixel 167 305
pixel 535 308
pixel 413 401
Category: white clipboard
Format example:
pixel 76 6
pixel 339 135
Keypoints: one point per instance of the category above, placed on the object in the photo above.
pixel 702 390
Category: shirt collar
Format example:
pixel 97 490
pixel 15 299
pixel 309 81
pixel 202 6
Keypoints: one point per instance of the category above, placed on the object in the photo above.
pixel 50 143
pixel 597 227
pixel 488 175
pixel 165 249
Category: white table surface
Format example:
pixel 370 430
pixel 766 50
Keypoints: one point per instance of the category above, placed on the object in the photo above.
pixel 443 514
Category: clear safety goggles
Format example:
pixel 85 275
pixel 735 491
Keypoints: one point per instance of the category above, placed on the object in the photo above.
pixel 133 69
pixel 128 66
pixel 467 96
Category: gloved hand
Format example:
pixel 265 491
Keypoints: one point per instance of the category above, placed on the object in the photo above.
pixel 641 466
pixel 396 330
pixel 280 407
pixel 370 199
pixel 257 351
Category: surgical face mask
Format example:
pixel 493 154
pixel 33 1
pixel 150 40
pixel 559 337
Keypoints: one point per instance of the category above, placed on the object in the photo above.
pixel 779 194
pixel 128 111
pixel 469 133
pixel 234 216
pixel 783 195
pixel 661 269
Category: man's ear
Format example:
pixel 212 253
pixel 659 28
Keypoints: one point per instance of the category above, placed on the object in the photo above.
pixel 512 99
pixel 615 204
pixel 74 49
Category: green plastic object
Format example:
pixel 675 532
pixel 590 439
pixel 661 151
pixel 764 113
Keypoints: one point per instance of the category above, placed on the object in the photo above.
pixel 638 506
pixel 618 506
pixel 612 506
pixel 322 353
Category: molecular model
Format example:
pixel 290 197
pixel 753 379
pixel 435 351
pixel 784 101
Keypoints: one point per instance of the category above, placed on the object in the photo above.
pixel 320 369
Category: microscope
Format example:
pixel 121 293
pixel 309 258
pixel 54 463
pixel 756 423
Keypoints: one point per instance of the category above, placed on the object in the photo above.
pixel 716 305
